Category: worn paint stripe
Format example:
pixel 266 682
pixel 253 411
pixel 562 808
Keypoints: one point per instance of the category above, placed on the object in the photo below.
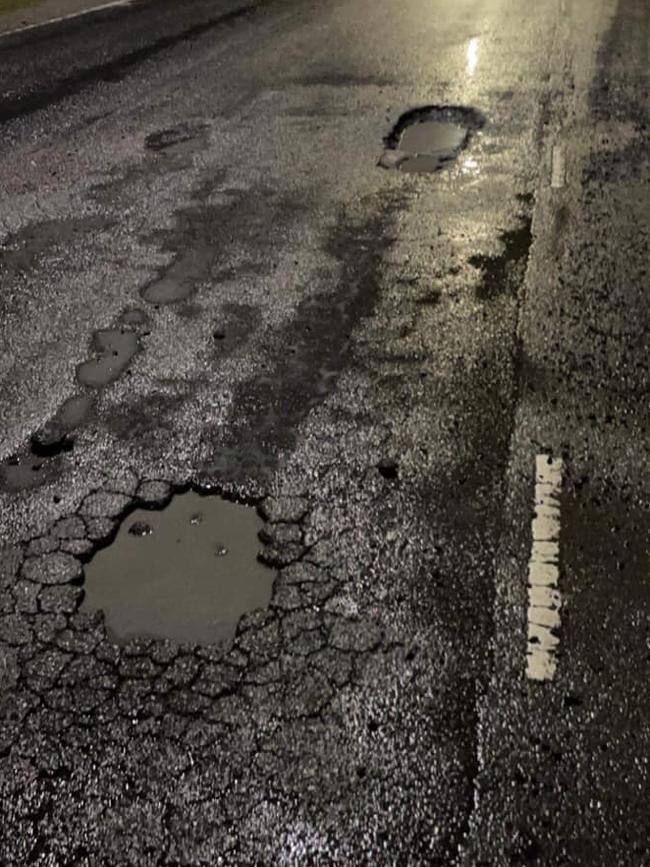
pixel 544 599
pixel 558 168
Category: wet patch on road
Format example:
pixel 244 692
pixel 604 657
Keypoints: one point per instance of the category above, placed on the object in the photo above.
pixel 37 464
pixel 504 273
pixel 430 298
pixel 135 419
pixel 119 187
pixel 50 441
pixel 203 235
pixel 187 572
pixel 306 360
pixel 328 76
pixel 134 318
pixel 174 137
pixel 234 326
pixel 21 249
pixel 23 471
pixel 39 461
pixel 428 139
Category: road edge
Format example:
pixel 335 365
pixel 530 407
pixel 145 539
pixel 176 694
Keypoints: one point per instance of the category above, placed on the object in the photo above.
pixel 51 26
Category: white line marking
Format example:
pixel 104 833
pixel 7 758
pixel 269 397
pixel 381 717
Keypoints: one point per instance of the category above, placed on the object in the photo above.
pixel 544 599
pixel 104 6
pixel 558 168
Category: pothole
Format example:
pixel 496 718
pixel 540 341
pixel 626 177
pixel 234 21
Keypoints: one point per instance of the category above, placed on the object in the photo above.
pixel 428 139
pixel 185 572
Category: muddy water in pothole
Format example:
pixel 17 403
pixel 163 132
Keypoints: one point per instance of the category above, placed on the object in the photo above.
pixel 186 572
pixel 114 350
pixel 429 144
pixel 429 138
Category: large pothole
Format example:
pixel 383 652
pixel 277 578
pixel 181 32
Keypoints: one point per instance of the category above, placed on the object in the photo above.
pixel 428 139
pixel 186 572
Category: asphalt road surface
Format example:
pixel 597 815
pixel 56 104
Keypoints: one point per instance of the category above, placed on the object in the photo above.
pixel 208 281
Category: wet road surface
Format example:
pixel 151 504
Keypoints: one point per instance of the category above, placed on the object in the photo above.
pixel 431 384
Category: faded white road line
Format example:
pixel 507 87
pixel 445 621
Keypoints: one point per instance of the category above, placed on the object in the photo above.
pixel 558 168
pixel 544 600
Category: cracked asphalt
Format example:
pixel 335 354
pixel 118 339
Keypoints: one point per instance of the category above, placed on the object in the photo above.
pixel 207 281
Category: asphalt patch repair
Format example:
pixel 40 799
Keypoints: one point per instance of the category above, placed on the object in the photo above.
pixel 186 572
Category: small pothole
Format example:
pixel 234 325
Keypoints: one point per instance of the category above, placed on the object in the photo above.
pixel 114 349
pixel 428 139
pixel 187 572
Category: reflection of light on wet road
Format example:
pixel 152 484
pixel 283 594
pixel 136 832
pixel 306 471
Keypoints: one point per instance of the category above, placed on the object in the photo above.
pixel 472 55
pixel 469 166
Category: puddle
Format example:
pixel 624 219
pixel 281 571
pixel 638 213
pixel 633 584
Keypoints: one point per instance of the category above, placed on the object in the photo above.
pixel 175 284
pixel 114 349
pixel 187 572
pixel 427 139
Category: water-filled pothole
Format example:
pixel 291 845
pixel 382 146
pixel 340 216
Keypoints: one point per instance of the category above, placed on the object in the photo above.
pixel 186 572
pixel 114 349
pixel 427 139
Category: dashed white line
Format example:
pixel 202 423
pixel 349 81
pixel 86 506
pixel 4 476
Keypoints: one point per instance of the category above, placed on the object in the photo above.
pixel 544 599
pixel 558 168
